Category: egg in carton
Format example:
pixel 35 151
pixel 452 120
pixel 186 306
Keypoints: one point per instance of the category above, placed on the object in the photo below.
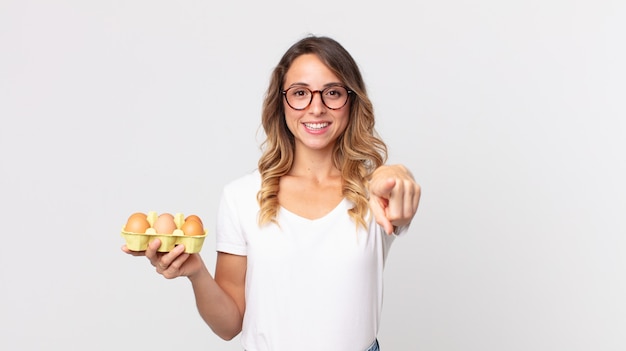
pixel 171 230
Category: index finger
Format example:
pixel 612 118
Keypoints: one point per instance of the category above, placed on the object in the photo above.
pixel 383 188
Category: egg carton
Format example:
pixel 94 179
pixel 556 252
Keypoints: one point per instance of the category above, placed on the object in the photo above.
pixel 139 242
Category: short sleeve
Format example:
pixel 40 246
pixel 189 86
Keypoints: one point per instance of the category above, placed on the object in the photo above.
pixel 229 231
pixel 389 239
pixel 400 230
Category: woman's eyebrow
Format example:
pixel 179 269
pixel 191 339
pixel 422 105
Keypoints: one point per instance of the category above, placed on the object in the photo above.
pixel 331 84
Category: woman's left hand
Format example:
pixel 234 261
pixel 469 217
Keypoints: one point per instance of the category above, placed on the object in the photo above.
pixel 394 196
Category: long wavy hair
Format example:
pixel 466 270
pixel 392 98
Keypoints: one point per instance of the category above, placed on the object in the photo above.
pixel 357 152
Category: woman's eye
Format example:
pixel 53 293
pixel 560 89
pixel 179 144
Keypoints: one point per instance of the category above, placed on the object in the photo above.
pixel 300 93
pixel 333 93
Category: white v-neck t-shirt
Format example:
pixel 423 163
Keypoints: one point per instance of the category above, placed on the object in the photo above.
pixel 310 284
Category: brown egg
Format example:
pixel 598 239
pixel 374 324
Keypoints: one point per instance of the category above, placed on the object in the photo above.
pixel 193 217
pixel 192 228
pixel 137 223
pixel 164 224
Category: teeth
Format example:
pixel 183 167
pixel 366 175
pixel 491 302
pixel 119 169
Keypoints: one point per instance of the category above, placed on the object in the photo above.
pixel 316 125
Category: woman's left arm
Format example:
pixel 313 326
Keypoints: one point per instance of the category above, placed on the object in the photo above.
pixel 394 196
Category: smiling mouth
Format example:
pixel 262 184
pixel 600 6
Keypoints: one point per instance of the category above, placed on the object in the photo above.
pixel 316 125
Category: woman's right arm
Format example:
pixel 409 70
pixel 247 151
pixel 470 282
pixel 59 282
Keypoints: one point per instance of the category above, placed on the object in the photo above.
pixel 221 301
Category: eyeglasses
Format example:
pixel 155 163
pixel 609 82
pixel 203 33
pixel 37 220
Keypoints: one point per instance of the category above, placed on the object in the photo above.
pixel 333 97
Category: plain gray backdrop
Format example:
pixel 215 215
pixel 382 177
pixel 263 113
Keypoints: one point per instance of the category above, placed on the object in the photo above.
pixel 511 115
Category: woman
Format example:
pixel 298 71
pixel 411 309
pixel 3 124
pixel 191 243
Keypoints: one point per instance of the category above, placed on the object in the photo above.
pixel 302 240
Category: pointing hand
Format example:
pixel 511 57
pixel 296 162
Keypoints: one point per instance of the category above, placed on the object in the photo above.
pixel 394 196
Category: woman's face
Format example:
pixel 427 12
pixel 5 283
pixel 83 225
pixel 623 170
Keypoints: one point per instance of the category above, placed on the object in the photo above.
pixel 315 127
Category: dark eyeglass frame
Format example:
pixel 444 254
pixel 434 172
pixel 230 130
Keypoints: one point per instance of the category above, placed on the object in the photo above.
pixel 348 91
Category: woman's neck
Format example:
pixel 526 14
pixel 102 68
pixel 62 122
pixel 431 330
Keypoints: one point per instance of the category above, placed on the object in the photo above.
pixel 314 164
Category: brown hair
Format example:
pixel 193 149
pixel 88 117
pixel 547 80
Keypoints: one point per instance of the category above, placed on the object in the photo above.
pixel 357 152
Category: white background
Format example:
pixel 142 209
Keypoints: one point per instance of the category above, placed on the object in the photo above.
pixel 511 114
